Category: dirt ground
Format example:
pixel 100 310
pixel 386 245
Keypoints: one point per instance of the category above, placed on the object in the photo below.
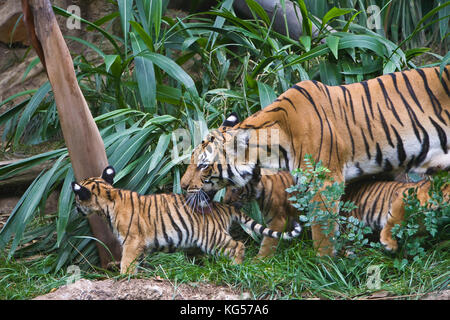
pixel 158 289
pixel 142 289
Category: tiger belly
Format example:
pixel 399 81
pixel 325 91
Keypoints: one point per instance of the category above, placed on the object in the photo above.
pixel 169 241
pixel 413 156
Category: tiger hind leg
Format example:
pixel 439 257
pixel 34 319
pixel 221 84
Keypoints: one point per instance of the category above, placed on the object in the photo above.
pixel 232 249
pixel 394 217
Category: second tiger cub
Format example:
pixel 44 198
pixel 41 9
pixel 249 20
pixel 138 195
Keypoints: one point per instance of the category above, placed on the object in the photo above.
pixel 269 189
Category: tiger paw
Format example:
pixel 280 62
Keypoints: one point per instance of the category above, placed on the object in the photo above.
pixel 113 266
pixel 389 244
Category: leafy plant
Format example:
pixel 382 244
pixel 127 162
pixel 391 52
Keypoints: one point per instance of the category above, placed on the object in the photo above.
pixel 424 224
pixel 317 197
pixel 413 24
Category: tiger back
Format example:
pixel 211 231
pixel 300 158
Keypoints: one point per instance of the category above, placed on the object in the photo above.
pixel 163 221
pixel 381 206
pixel 269 191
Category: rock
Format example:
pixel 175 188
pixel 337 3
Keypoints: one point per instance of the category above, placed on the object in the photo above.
pixel 437 295
pixel 10 12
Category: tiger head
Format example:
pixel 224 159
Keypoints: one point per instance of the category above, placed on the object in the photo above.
pixel 239 196
pixel 93 194
pixel 217 163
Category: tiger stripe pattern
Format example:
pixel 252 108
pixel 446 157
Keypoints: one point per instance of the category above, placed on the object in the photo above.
pixel 162 222
pixel 394 123
pixel 269 191
pixel 381 206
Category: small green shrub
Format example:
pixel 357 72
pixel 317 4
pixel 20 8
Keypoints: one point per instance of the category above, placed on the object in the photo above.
pixel 318 198
pixel 424 225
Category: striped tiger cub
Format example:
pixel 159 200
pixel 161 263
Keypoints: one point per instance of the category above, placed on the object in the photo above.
pixel 268 190
pixel 163 221
pixel 380 204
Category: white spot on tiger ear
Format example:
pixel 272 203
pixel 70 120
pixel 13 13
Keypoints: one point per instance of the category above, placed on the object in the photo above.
pixel 109 171
pixel 232 118
pixel 76 187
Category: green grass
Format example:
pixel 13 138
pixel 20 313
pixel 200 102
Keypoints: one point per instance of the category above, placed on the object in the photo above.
pixel 243 64
pixel 294 272
pixel 25 280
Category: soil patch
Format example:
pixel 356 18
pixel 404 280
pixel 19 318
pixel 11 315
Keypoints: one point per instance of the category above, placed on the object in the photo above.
pixel 142 289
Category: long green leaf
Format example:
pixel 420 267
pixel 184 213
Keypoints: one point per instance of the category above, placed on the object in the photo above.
pixel 145 75
pixel 108 36
pixel 172 69
pixel 32 64
pixel 306 22
pixel 128 149
pixel 25 164
pixel 159 151
pixel 126 15
pixel 30 109
pixel 5 116
pixel 333 14
pixel 23 214
pixel 266 94
pixel 147 38
pixel 64 206
pixel 333 43
pixel 256 7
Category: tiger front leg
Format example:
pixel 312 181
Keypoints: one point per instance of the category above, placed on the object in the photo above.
pixel 323 243
pixel 268 244
pixel 325 226
pixel 132 249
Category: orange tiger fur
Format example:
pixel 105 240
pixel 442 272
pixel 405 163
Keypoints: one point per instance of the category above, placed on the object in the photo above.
pixel 269 191
pixel 394 123
pixel 380 204
pixel 163 221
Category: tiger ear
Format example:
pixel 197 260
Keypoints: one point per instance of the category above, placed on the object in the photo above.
pixel 82 192
pixel 109 174
pixel 256 175
pixel 231 120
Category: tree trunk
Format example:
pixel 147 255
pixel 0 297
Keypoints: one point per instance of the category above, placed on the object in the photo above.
pixel 83 140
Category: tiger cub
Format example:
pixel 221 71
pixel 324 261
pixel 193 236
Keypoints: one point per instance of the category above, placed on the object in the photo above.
pixel 380 204
pixel 268 189
pixel 163 221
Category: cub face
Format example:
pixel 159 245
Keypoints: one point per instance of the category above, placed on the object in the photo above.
pixel 91 195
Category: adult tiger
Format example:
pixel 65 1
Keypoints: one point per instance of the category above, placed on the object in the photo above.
pixel 163 222
pixel 393 123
